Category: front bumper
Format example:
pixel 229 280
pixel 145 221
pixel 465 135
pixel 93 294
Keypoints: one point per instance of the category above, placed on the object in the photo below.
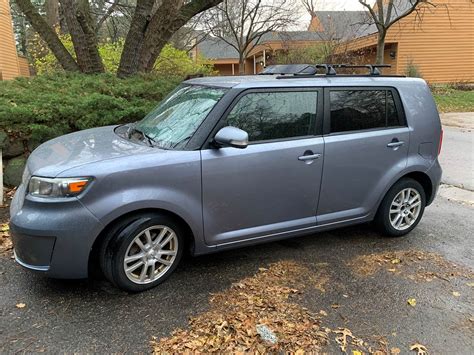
pixel 52 237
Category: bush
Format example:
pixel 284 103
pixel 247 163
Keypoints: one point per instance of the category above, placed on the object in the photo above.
pixel 412 70
pixel 46 106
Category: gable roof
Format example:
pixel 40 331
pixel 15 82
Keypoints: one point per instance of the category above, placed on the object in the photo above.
pixel 344 25
pixel 334 25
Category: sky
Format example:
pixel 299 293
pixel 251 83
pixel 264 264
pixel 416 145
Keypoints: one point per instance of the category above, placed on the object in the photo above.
pixel 339 5
pixel 328 5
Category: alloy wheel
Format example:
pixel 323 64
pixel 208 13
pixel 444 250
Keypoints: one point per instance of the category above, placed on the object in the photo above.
pixel 405 209
pixel 150 254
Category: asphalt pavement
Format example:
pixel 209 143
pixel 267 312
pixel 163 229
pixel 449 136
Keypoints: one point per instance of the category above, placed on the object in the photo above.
pixel 457 157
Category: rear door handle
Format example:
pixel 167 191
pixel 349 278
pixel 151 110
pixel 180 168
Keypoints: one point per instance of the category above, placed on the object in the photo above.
pixel 309 157
pixel 395 144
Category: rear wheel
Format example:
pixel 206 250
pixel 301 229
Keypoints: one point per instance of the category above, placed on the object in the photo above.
pixel 401 209
pixel 143 253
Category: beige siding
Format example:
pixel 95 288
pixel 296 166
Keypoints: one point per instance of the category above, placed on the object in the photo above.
pixel 9 67
pixel 24 66
pixel 442 45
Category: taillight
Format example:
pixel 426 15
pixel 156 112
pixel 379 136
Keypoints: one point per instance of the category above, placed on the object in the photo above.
pixel 440 141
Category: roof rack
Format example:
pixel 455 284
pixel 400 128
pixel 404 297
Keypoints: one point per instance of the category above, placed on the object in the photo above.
pixel 373 68
pixel 289 71
pixel 284 69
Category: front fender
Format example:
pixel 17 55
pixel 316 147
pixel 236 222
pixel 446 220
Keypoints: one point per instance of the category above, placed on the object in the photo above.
pixel 121 203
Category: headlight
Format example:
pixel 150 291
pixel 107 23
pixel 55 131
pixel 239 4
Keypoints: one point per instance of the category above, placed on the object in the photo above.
pixel 57 187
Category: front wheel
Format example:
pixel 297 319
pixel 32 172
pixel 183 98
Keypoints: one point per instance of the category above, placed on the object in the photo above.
pixel 143 253
pixel 401 209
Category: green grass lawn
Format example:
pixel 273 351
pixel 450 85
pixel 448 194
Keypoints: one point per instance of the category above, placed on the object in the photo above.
pixel 449 99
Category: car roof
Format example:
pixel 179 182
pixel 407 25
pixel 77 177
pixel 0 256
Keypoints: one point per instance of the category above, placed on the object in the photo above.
pixel 266 81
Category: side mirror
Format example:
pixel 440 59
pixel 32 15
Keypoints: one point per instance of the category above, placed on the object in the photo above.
pixel 231 137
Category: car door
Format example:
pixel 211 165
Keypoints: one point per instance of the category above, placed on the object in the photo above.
pixel 366 146
pixel 272 186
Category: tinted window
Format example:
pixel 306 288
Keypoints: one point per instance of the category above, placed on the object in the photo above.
pixel 275 115
pixel 353 110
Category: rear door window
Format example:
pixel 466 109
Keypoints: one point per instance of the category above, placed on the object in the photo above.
pixel 355 110
pixel 275 115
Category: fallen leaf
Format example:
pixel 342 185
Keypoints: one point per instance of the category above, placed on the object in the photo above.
pixel 456 294
pixel 395 351
pixel 342 338
pixel 412 302
pixel 356 352
pixel 396 261
pixel 392 270
pixel 470 284
pixel 20 305
pixel 323 313
pixel 335 306
pixel 420 349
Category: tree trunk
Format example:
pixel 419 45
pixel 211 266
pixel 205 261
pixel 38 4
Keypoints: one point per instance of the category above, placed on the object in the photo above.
pixel 140 19
pixel 168 19
pixel 40 25
pixel 380 48
pixel 241 65
pixel 85 47
pixel 158 33
pixel 52 12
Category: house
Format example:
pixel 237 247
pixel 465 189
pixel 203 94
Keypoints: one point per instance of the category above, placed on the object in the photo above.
pixel 11 64
pixel 438 42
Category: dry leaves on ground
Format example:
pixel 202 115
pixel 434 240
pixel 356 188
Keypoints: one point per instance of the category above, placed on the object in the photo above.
pixel 262 300
pixel 420 349
pixel 5 240
pixel 412 302
pixel 412 264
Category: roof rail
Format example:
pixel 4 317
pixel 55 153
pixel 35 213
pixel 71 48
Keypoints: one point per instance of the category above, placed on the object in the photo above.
pixel 288 71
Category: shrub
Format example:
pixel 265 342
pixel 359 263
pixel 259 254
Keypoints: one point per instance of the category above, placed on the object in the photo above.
pixel 412 70
pixel 50 105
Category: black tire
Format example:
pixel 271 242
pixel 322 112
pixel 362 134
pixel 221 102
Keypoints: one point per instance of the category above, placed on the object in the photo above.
pixel 382 218
pixel 116 244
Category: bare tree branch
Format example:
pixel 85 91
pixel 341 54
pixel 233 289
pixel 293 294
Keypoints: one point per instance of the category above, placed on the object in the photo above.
pixel 387 13
pixel 242 23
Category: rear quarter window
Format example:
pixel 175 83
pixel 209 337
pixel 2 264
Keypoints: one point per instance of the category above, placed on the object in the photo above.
pixel 355 110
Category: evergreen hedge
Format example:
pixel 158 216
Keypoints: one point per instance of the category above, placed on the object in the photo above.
pixel 47 106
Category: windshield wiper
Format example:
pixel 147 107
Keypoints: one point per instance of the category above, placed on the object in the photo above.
pixel 132 129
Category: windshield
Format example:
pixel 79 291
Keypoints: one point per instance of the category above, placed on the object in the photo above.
pixel 173 122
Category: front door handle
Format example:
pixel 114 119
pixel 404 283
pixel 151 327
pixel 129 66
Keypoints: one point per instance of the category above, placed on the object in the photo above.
pixel 309 157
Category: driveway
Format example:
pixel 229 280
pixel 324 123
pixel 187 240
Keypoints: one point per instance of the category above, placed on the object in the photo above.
pixel 457 157
pixel 92 316
pixel 389 294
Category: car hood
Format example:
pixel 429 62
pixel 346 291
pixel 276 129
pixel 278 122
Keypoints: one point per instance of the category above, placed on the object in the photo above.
pixel 80 148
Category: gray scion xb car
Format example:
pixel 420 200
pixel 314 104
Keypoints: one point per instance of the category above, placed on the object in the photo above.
pixel 224 162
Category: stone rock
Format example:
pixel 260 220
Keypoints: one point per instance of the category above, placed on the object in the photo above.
pixel 14 170
pixel 33 144
pixel 3 140
pixel 13 148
